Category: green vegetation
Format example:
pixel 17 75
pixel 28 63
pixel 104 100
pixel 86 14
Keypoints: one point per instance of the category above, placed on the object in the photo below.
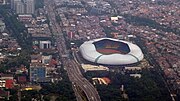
pixel 115 24
pixel 78 43
pixel 151 87
pixel 151 23
pixel 28 95
pixel 162 3
pixel 108 31
pixel 39 4
pixel 58 18
pixel 109 93
pixel 23 58
pixel 148 88
pixel 62 89
pixel 18 31
pixel 67 42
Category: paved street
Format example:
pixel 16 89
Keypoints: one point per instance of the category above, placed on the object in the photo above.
pixel 71 66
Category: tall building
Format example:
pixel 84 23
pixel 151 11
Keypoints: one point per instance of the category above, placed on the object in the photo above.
pixel 20 8
pixel 13 4
pixel 30 6
pixel 23 6
pixel 37 72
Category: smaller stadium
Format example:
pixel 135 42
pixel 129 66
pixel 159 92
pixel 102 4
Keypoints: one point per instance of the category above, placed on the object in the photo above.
pixel 110 51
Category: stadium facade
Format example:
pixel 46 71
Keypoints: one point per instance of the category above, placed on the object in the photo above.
pixel 110 51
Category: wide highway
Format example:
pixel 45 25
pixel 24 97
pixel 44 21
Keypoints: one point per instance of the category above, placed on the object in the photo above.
pixel 70 65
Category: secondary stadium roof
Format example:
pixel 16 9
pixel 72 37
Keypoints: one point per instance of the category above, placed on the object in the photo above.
pixel 110 51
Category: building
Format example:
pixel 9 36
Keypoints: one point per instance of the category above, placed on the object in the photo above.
pixel 2 2
pixel 114 18
pixel 20 7
pixel 2 26
pixel 30 6
pixel 46 59
pixel 2 83
pixel 71 35
pixel 136 75
pixel 87 67
pixel 110 51
pixel 37 72
pixel 22 79
pixel 133 68
pixel 23 6
pixel 36 58
pixel 13 4
pixel 103 80
pixel 25 18
pixel 6 80
pixel 45 44
pixel 6 77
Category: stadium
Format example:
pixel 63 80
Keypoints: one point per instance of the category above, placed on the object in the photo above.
pixel 110 51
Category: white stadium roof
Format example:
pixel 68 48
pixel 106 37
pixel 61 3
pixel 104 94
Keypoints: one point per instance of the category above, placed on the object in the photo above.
pixel 88 51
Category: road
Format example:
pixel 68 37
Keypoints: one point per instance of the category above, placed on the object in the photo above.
pixel 76 77
pixel 70 65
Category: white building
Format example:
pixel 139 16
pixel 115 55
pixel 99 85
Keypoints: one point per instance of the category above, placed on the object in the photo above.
pixel 45 44
pixel 89 52
pixel 2 83
pixel 114 18
pixel 133 68
pixel 136 75
pixel 88 67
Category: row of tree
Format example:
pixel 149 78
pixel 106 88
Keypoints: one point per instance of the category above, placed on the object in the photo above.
pixel 63 89
pixel 148 88
pixel 19 32
pixel 39 4
pixel 149 22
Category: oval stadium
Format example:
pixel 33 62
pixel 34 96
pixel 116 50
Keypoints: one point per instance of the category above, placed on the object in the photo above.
pixel 110 51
